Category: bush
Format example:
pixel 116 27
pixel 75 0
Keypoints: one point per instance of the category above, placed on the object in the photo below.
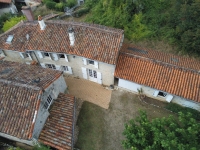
pixel 59 6
pixel 177 108
pixel 71 3
pixel 11 22
pixel 81 12
pixel 51 4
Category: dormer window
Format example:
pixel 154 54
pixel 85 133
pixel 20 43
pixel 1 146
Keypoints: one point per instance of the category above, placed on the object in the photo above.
pixel 9 39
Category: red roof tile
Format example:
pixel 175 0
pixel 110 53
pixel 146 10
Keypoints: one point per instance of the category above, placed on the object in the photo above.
pixel 58 129
pixel 5 1
pixel 163 76
pixel 180 61
pixel 21 86
pixel 91 41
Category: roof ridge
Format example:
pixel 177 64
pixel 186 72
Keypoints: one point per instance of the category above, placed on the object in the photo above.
pixel 83 24
pixel 161 62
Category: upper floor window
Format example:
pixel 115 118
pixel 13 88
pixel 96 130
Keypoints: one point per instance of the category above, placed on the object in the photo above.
pixel 51 66
pixel 25 55
pixel 46 54
pixel 91 62
pixel 48 102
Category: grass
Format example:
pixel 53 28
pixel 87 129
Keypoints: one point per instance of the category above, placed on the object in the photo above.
pixel 90 127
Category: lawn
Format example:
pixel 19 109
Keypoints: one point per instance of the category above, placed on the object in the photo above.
pixel 101 129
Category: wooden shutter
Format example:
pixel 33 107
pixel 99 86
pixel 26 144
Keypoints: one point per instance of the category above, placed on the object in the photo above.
pixel 99 78
pixel 29 55
pixel 84 61
pixel 70 70
pixel 84 71
pixel 43 65
pixel 55 56
pixel 21 54
pixel 40 54
pixel 169 98
pixel 58 67
pixel 155 93
pixel 96 64
pixel 66 58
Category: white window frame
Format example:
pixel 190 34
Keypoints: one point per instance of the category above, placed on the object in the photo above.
pixel 46 56
pixel 51 66
pixel 92 73
pixel 25 55
pixel 48 102
pixel 88 62
pixel 67 69
pixel 164 94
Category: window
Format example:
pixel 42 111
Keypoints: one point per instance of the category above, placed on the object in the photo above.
pixel 91 62
pixel 61 55
pixel 65 68
pixel 46 54
pixel 162 94
pixel 48 102
pixel 51 66
pixel 92 73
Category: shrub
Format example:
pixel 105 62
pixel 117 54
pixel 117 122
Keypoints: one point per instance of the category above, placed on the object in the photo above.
pixel 51 4
pixel 71 3
pixel 60 6
pixel 81 12
pixel 177 108
pixel 11 22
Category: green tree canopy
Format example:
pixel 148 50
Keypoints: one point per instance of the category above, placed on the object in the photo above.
pixel 162 133
pixel 11 22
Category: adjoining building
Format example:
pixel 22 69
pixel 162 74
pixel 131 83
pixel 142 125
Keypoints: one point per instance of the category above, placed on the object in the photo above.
pixel 30 96
pixel 160 75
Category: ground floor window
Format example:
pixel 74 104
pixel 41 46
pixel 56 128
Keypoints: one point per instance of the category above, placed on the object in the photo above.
pixel 163 94
pixel 51 66
pixel 92 73
pixel 65 68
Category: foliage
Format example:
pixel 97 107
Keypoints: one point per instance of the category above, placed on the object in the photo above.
pixel 4 18
pixel 71 3
pixel 162 133
pixel 41 147
pixel 51 4
pixel 175 21
pixel 81 12
pixel 59 6
pixel 177 108
pixel 11 22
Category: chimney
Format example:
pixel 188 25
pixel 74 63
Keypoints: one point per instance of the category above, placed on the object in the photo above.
pixel 71 36
pixel 41 23
pixel 26 10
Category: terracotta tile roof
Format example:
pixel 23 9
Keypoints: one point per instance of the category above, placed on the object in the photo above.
pixel 180 61
pixel 159 75
pixel 27 75
pixel 91 41
pixel 58 129
pixel 5 1
pixel 20 96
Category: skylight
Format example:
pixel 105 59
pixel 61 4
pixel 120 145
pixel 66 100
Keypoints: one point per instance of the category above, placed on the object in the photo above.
pixel 138 50
pixel 9 39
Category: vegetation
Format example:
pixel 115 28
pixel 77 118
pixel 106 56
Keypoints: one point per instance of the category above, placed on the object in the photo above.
pixel 36 147
pixel 11 22
pixel 177 108
pixel 162 133
pixel 174 21
pixel 4 18
pixel 60 4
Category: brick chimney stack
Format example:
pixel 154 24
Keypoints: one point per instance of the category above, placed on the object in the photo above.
pixel 26 10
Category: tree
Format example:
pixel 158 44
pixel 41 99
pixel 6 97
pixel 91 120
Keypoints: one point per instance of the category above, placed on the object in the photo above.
pixel 162 133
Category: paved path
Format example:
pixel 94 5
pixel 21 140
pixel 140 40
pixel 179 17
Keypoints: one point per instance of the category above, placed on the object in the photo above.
pixel 89 91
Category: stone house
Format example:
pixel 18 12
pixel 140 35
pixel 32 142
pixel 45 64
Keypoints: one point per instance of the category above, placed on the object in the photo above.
pixel 160 75
pixel 27 94
pixel 7 6
pixel 83 50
